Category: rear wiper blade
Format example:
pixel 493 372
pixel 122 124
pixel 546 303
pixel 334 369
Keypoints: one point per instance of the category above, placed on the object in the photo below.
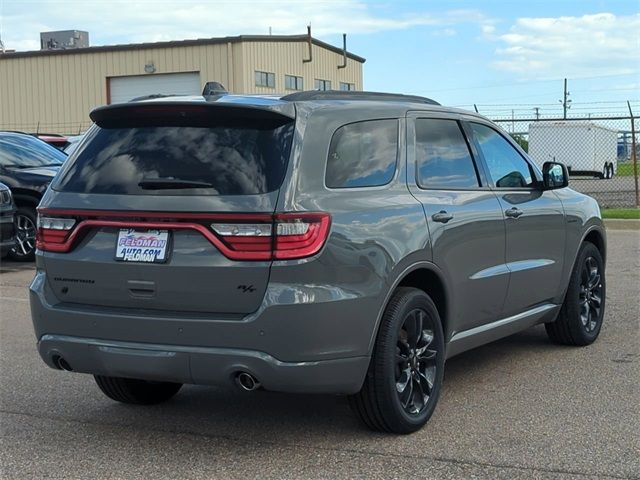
pixel 169 183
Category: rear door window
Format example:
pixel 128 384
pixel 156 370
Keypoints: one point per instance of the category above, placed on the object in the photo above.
pixel 443 157
pixel 242 158
pixel 363 154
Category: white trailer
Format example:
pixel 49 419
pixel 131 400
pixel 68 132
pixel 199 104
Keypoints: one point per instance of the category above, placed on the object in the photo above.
pixel 584 147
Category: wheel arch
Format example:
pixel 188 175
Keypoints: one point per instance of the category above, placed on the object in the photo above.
pixel 596 237
pixel 427 277
pixel 25 198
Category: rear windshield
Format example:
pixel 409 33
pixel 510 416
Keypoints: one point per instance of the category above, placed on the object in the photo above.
pixel 236 159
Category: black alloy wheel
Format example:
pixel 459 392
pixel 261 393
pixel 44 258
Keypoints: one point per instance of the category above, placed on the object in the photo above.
pixel 590 296
pixel 403 383
pixel 582 314
pixel 25 227
pixel 415 361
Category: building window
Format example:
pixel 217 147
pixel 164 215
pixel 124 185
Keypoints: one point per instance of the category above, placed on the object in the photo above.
pixel 322 84
pixel 291 82
pixel 265 79
pixel 347 87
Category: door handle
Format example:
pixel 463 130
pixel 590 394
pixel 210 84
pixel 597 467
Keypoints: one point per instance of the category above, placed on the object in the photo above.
pixel 513 212
pixel 441 217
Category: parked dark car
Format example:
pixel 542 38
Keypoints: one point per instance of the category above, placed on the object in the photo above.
pixel 57 141
pixel 328 242
pixel 27 166
pixel 7 230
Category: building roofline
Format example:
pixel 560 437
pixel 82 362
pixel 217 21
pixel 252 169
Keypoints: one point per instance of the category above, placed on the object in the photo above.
pixel 182 43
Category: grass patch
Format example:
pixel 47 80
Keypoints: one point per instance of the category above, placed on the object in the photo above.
pixel 626 213
pixel 626 169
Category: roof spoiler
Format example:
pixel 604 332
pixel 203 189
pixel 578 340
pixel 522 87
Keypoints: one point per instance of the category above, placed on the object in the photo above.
pixel 166 113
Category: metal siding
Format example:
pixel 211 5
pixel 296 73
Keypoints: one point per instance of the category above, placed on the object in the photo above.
pixel 59 91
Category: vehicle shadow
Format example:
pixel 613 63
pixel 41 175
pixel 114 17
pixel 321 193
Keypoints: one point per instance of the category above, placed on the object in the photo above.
pixel 8 266
pixel 269 417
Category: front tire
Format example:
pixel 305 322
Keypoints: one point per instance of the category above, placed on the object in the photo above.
pixel 580 318
pixel 137 392
pixel 403 383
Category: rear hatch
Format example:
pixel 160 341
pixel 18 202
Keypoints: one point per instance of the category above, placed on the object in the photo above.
pixel 168 206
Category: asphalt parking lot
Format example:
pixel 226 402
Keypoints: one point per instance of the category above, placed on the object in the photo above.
pixel 518 408
pixel 616 192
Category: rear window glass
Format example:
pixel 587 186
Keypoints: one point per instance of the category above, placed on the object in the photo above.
pixel 363 154
pixel 239 159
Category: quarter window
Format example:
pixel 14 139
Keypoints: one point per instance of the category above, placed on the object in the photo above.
pixel 363 154
pixel 506 166
pixel 442 155
pixel 320 84
pixel 265 79
pixel 291 82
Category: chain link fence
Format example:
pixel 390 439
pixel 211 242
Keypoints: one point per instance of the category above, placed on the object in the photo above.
pixel 599 152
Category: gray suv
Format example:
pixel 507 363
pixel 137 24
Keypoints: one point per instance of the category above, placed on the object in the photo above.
pixel 330 242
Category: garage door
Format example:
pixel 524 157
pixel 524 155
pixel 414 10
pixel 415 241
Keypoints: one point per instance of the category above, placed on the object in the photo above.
pixel 123 89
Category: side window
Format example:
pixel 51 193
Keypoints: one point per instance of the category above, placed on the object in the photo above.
pixel 363 154
pixel 506 166
pixel 442 155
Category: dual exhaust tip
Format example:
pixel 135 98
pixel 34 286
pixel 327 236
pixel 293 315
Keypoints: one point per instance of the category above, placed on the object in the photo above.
pixel 247 382
pixel 244 380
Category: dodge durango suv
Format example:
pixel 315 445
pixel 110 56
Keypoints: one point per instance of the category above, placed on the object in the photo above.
pixel 334 242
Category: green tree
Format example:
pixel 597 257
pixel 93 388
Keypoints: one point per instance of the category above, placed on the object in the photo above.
pixel 523 142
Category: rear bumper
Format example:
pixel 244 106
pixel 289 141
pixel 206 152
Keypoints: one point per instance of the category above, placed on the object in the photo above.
pixel 302 339
pixel 201 365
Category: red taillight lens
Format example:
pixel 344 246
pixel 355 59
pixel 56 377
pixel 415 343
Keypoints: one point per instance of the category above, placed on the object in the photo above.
pixel 300 235
pixel 53 233
pixel 290 236
pixel 257 237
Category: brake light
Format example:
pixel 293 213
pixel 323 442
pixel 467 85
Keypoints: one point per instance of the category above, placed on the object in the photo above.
pixel 53 233
pixel 289 236
pixel 283 236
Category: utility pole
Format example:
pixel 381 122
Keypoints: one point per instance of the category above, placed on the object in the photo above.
pixel 634 154
pixel 537 109
pixel 566 102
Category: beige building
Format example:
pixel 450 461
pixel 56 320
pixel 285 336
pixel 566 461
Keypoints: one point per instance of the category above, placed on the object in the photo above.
pixel 53 91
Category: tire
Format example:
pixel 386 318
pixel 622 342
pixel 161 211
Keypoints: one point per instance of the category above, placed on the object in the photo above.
pixel 25 222
pixel 580 319
pixel 380 404
pixel 611 171
pixel 137 392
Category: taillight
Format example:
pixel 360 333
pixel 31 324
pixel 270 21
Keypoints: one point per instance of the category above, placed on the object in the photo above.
pixel 283 236
pixel 300 235
pixel 53 233
pixel 289 236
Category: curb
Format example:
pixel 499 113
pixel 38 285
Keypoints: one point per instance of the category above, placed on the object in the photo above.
pixel 621 224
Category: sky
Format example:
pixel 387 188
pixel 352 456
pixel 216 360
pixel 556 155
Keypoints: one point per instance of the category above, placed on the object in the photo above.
pixel 501 55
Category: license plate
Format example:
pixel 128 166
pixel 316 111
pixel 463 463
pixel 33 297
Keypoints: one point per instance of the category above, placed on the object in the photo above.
pixel 148 246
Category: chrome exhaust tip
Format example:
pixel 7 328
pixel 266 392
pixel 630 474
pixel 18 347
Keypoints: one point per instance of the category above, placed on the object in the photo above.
pixel 247 382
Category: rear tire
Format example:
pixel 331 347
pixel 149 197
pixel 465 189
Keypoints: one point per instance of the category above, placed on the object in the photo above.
pixel 581 315
pixel 137 392
pixel 401 389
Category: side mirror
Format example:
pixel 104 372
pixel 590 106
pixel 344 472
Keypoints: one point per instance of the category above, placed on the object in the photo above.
pixel 554 175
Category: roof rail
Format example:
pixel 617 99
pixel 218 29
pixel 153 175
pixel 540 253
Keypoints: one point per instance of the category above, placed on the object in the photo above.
pixel 351 95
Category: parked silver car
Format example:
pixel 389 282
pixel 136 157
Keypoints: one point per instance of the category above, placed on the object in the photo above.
pixel 335 242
